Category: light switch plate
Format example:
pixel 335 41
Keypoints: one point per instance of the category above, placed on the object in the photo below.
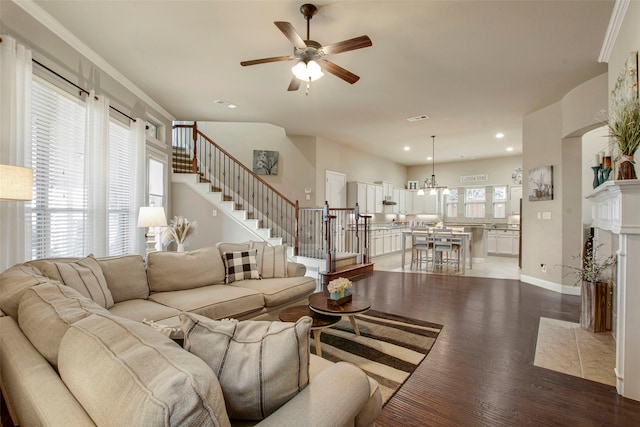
pixel 546 215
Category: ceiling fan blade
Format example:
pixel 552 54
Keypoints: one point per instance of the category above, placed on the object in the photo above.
pixel 295 84
pixel 266 60
pixel 347 45
pixel 338 71
pixel 290 32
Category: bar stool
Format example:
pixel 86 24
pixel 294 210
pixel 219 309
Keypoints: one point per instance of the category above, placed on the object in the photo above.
pixel 444 245
pixel 421 245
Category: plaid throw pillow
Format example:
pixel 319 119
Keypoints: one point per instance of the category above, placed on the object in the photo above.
pixel 241 265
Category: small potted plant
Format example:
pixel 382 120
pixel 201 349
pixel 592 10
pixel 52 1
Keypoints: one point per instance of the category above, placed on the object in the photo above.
pixel 624 128
pixel 177 231
pixel 592 276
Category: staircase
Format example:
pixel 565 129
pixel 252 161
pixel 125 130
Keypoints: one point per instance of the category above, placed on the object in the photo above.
pixel 243 196
pixel 182 174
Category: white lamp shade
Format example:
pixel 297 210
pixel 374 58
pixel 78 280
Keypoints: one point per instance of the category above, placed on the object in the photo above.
pixel 309 71
pixel 446 191
pixel 16 183
pixel 433 192
pixel 421 192
pixel 152 216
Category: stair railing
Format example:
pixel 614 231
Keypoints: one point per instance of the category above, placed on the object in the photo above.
pixel 239 184
pixel 305 229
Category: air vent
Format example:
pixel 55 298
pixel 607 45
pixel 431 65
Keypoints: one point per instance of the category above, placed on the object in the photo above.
pixel 417 118
pixel 224 103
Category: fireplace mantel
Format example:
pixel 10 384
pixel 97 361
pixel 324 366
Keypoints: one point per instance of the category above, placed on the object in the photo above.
pixel 616 209
pixel 616 206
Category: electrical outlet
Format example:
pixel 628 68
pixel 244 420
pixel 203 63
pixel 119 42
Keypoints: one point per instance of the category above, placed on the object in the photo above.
pixel 539 215
pixel 543 267
pixel 214 212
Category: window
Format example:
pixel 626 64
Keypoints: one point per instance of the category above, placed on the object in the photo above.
pixel 59 211
pixel 500 201
pixel 122 225
pixel 452 203
pixel 58 208
pixel 156 178
pixel 474 202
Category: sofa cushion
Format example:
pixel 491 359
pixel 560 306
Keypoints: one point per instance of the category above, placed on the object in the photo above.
pixel 84 275
pixel 215 301
pixel 124 373
pixel 47 310
pixel 272 260
pixel 260 365
pixel 126 277
pixel 240 265
pixel 14 282
pixel 174 271
pixel 140 309
pixel 281 291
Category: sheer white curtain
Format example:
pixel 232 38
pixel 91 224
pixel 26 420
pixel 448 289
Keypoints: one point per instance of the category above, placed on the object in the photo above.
pixel 138 154
pixel 96 174
pixel 15 140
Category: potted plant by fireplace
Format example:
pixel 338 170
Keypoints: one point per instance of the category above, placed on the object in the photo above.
pixel 592 275
pixel 624 128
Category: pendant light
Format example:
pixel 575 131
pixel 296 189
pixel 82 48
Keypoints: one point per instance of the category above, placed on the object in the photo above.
pixel 432 184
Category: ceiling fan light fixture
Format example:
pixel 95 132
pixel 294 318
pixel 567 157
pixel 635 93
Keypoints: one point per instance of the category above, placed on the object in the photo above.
pixel 307 71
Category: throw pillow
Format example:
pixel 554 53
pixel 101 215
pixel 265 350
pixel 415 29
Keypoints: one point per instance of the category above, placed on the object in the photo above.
pixel 177 271
pixel 84 275
pixel 260 364
pixel 272 260
pixel 124 373
pixel 46 312
pixel 241 265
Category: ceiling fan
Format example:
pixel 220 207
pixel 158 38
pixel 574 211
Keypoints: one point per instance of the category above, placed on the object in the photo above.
pixel 310 56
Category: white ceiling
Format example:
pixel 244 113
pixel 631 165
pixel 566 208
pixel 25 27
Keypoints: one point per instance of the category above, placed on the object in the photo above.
pixel 474 67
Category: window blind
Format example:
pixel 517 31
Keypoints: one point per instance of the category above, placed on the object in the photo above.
pixel 121 204
pixel 58 208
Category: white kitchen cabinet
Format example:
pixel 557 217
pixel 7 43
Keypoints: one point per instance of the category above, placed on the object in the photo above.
pixel 357 193
pixel 503 242
pixel 378 206
pixel 515 194
pixel 492 241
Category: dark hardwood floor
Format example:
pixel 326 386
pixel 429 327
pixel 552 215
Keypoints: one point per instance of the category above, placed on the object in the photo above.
pixel 480 371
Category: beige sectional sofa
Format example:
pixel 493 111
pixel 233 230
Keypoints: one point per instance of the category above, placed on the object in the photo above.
pixel 74 350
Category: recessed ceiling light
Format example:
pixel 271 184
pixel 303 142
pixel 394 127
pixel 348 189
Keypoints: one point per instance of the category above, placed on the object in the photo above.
pixel 407 148
pixel 499 135
pixel 509 148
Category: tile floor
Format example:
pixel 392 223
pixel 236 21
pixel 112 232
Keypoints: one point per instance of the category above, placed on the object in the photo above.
pixel 566 347
pixel 492 266
pixel 561 346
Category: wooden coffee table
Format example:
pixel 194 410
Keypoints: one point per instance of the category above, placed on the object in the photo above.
pixel 318 303
pixel 320 321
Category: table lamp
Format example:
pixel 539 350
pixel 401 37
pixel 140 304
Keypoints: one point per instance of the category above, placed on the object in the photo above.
pixel 16 183
pixel 151 217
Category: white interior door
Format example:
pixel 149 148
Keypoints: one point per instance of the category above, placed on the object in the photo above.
pixel 336 189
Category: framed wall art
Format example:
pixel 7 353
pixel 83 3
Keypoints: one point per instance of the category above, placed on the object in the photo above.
pixel 265 162
pixel 412 185
pixel 541 183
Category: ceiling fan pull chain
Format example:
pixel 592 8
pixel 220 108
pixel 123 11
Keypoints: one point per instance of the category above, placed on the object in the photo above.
pixel 308 87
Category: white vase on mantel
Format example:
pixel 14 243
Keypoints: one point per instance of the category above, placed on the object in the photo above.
pixel 180 247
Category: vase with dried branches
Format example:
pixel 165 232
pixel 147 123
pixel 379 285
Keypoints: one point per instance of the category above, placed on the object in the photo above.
pixel 178 230
pixel 624 128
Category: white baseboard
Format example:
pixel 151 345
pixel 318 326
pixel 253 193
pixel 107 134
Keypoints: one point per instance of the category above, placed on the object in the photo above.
pixel 552 286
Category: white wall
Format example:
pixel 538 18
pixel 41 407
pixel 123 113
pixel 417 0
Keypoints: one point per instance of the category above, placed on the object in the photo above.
pixel 551 137
pixel 498 169
pixel 593 142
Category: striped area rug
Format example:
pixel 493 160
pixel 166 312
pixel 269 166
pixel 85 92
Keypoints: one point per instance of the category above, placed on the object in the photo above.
pixel 388 349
